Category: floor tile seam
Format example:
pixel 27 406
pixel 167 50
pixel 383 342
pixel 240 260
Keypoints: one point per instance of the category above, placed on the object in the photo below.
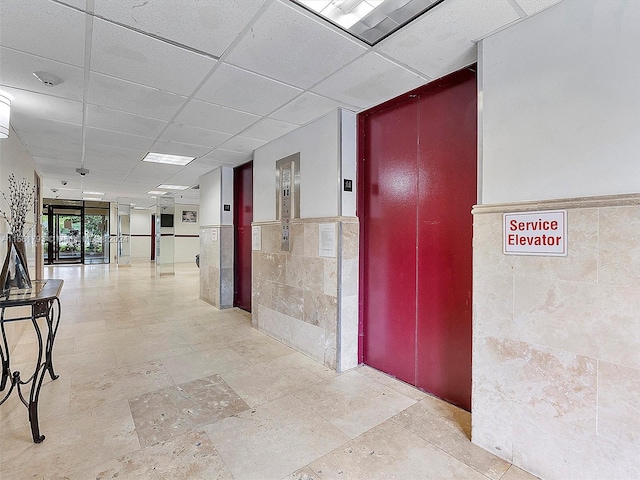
pixel 449 454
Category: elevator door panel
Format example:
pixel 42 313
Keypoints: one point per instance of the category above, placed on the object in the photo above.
pixel 448 183
pixel 418 185
pixel 243 216
pixel 390 253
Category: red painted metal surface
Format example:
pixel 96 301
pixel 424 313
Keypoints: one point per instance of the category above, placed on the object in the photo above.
pixel 447 191
pixel 390 189
pixel 417 187
pixel 243 216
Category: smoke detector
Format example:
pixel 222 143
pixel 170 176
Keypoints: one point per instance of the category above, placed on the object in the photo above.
pixel 49 79
pixel 82 171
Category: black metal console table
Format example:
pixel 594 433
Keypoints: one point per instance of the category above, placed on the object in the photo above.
pixel 43 298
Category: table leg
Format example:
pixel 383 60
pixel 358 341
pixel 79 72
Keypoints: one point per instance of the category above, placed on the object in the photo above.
pixel 53 321
pixel 4 355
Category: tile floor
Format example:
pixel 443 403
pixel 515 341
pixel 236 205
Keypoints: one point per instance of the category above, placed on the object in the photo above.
pixel 155 383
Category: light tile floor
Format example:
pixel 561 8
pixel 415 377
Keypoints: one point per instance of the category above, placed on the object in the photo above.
pixel 155 383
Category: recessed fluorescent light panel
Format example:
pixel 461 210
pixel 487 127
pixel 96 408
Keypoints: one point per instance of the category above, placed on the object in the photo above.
pixel 173 187
pixel 155 192
pixel 369 20
pixel 168 159
pixel 101 194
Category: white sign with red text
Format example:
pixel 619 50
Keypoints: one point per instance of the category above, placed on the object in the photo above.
pixel 535 233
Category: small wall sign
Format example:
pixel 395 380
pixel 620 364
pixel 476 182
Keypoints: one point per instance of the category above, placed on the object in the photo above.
pixel 535 233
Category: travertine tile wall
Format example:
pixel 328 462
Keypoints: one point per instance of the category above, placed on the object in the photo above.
pixel 216 265
pixel 306 301
pixel 556 356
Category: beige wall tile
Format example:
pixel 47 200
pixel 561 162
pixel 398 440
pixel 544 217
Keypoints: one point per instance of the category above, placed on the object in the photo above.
pixel 321 310
pixel 305 272
pixel 350 240
pixel 311 239
pixel 619 403
pixel 554 449
pixel 330 276
pixel 297 239
pixel 492 303
pixel 289 300
pixel 619 226
pixel 551 382
pixel 269 266
pixel 572 316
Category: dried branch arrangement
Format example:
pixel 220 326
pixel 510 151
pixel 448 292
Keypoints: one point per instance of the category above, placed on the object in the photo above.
pixel 20 202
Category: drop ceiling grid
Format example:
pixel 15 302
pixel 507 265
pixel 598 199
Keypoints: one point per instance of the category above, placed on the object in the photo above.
pixel 139 96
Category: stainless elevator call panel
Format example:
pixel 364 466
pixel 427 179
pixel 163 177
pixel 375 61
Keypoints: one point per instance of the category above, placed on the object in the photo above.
pixel 288 181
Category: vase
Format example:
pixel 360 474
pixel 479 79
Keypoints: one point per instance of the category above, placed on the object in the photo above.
pixel 15 272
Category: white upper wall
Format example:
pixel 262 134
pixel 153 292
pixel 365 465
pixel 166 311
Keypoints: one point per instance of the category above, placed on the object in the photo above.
pixel 320 144
pixel 216 190
pixel 561 104
pixel 15 159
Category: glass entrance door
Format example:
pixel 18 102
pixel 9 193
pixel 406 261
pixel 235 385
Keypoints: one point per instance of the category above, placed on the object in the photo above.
pixel 67 238
pixel 96 235
pixel 75 232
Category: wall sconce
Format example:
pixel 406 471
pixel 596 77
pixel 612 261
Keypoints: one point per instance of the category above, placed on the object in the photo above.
pixel 5 110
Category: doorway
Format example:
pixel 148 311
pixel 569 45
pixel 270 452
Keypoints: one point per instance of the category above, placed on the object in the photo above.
pixel 418 183
pixel 75 232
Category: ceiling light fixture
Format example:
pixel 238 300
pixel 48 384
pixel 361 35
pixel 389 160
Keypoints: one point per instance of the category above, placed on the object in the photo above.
pixel 369 20
pixel 156 192
pixel 174 187
pixel 101 194
pixel 49 79
pixel 168 159
pixel 82 171
pixel 5 113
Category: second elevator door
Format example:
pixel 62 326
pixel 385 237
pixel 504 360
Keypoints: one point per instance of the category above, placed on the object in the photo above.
pixel 419 185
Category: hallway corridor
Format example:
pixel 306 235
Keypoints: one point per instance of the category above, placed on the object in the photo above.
pixel 155 383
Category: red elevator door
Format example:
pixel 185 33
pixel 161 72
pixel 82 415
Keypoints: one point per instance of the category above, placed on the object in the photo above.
pixel 419 182
pixel 243 216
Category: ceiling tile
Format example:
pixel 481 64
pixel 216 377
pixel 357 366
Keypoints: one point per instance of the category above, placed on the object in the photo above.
pixel 368 81
pixel 130 156
pixel 242 90
pixel 305 108
pixel 287 45
pixel 43 28
pixel 214 117
pixel 152 173
pixel 209 26
pixel 175 148
pixel 45 126
pixel 268 129
pixel 44 106
pixel 68 155
pixel 17 71
pixel 54 142
pixel 531 7
pixel 97 136
pixel 177 132
pixel 460 22
pixel 242 144
pixel 109 119
pixel 122 53
pixel 133 98
pixel 225 157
